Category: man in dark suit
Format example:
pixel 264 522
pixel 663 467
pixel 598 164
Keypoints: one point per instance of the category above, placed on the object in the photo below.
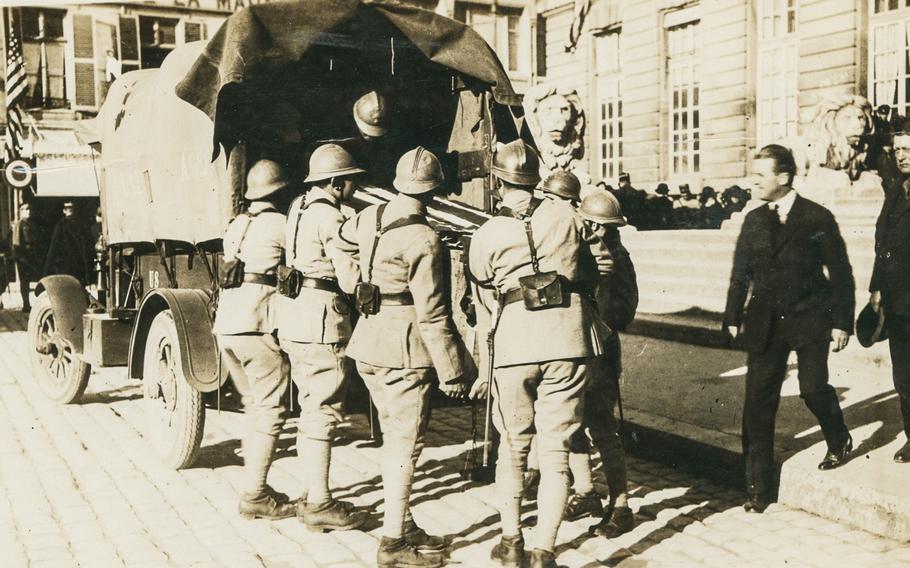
pixel 889 287
pixel 781 252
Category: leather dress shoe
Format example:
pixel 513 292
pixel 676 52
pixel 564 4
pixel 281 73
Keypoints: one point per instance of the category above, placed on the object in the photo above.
pixel 583 505
pixel 398 553
pixel 618 522
pixel 757 503
pixel 510 551
pixel 837 458
pixel 903 454
pixel 542 559
pixel 418 537
pixel 269 504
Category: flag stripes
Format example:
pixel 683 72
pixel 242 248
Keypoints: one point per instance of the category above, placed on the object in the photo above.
pixel 16 86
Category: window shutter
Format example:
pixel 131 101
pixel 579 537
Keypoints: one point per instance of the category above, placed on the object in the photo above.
pixel 541 46
pixel 129 40
pixel 85 96
pixel 192 31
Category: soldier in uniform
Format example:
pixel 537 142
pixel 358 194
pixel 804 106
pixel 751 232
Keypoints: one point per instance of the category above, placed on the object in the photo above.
pixel 563 186
pixel 244 324
pixel 374 147
pixel 541 347
pixel 405 331
pixel 314 325
pixel 617 302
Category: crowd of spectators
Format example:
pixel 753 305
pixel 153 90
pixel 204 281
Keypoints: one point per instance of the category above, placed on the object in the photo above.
pixel 661 210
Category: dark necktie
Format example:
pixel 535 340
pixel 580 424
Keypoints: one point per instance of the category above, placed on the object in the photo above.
pixel 906 186
pixel 774 222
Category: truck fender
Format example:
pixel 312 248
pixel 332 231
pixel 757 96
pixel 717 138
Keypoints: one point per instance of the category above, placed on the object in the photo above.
pixel 69 300
pixel 198 348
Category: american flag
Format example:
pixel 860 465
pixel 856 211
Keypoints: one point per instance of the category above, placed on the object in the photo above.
pixel 16 85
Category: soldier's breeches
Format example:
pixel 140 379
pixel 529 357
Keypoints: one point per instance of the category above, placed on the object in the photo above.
pixel 601 424
pixel 546 399
pixel 264 368
pixel 320 371
pixel 402 398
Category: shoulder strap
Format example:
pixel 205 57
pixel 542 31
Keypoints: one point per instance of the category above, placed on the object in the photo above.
pixel 303 207
pixel 405 221
pixel 526 219
pixel 249 220
pixel 379 211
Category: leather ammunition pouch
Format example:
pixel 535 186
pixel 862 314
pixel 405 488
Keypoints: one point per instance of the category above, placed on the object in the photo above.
pixel 289 281
pixel 367 298
pixel 542 290
pixel 230 273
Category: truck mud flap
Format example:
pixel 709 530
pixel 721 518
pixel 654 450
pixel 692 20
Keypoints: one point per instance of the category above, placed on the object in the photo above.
pixel 69 301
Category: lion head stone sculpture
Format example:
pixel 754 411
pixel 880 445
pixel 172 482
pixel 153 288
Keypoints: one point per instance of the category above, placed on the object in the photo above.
pixel 557 121
pixel 843 130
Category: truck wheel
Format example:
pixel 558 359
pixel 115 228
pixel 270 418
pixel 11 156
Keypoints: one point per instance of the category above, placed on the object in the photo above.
pixel 175 413
pixel 60 373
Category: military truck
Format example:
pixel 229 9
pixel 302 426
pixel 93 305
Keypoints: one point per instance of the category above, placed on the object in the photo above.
pixel 172 149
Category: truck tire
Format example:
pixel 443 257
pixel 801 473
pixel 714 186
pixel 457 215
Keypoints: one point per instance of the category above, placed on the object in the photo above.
pixel 175 413
pixel 58 369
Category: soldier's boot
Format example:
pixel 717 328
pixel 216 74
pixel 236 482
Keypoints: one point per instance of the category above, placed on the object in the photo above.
pixel 583 505
pixel 618 523
pixel 424 542
pixel 399 553
pixel 269 504
pixel 542 559
pixel 333 516
pixel 510 551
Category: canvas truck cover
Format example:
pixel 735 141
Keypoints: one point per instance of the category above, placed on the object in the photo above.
pixel 158 180
pixel 265 38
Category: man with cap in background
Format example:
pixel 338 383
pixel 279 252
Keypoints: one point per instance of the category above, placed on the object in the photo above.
pixel 71 250
pixel 244 324
pixel 779 269
pixel 527 264
pixel 26 243
pixel 404 333
pixel 890 287
pixel 314 326
pixel 617 301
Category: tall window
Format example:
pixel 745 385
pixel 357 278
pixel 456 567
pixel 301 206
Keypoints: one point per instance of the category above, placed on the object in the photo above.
pixel 683 82
pixel 502 30
pixel 889 68
pixel 777 109
pixel 609 105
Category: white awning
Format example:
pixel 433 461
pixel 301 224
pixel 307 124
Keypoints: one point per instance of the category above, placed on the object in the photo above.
pixel 64 166
pixel 66 177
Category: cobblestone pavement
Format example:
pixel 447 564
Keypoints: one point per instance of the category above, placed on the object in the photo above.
pixel 81 487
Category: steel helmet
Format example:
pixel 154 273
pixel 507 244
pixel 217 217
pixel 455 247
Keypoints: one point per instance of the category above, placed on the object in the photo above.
pixel 331 160
pixel 418 171
pixel 371 114
pixel 517 163
pixel 602 207
pixel 265 178
pixel 564 184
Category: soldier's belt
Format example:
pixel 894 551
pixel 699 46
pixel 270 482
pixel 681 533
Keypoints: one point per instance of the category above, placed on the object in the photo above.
pixel 320 284
pixel 515 295
pixel 264 279
pixel 401 299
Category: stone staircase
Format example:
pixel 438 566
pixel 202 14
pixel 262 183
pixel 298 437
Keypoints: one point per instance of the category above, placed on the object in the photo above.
pixel 683 275
pixel 682 270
